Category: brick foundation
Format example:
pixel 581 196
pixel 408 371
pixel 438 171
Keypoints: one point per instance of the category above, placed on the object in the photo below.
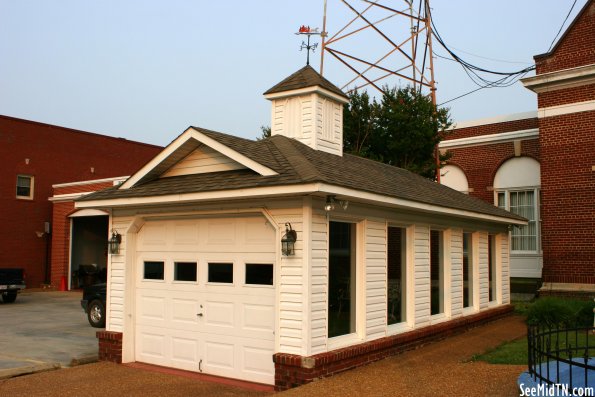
pixel 110 346
pixel 292 370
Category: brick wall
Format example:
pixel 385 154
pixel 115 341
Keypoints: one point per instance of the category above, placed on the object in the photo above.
pixel 110 346
pixel 55 155
pixel 575 48
pixel 568 198
pixel 494 128
pixel 293 370
pixel 566 96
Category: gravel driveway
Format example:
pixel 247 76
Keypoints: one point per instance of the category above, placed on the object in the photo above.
pixel 437 369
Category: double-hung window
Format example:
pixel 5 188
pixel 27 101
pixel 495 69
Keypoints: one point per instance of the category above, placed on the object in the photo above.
pixel 526 204
pixel 24 187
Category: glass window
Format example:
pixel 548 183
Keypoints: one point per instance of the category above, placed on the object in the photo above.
pixel 342 282
pixel 523 203
pixel 221 273
pixel 24 186
pixel 259 274
pixel 436 272
pixel 467 270
pixel 397 270
pixel 185 271
pixel 492 267
pixel 153 271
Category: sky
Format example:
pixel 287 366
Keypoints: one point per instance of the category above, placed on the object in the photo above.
pixel 145 70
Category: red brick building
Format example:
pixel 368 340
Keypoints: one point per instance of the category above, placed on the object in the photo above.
pixel 542 166
pixel 36 156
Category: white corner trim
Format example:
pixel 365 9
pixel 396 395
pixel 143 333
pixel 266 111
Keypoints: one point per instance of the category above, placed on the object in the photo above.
pixel 566 78
pixel 490 139
pixel 311 188
pixel 192 133
pixel 493 120
pixel 560 110
pixel 307 90
pixel 114 180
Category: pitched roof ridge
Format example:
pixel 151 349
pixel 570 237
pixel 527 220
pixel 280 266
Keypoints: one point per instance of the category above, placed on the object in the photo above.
pixel 300 164
pixel 305 77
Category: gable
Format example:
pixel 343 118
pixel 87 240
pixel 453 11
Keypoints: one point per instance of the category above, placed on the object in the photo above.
pixel 202 160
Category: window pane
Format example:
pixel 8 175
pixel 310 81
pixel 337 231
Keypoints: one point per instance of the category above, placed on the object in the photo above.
pixel 524 238
pixel 341 303
pixel 502 200
pixel 221 273
pixel 467 270
pixel 153 271
pixel 436 272
pixel 396 266
pixel 185 271
pixel 24 186
pixel 492 252
pixel 260 274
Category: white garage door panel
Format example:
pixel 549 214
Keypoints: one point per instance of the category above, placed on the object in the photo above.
pixel 221 329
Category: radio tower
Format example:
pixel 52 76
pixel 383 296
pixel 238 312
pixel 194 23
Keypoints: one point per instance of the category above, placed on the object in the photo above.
pixel 385 42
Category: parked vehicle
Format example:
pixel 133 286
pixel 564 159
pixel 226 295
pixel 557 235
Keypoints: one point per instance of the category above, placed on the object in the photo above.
pixel 11 281
pixel 93 303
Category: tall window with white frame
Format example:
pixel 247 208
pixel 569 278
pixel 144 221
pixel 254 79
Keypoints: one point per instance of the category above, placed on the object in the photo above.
pixel 492 267
pixel 524 203
pixel 468 270
pixel 397 275
pixel 342 279
pixel 437 272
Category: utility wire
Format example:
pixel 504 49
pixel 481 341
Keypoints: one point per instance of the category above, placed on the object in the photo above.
pixel 563 23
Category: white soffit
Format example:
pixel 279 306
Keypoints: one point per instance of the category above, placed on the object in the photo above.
pixel 490 139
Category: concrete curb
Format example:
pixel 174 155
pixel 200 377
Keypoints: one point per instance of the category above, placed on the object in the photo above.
pixel 93 358
pixel 28 369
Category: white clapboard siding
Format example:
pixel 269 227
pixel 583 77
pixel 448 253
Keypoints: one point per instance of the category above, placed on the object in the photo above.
pixel 505 261
pixel 291 280
pixel 422 275
pixel 319 283
pixel 329 125
pixel 456 272
pixel 375 282
pixel 294 118
pixel 203 160
pixel 484 280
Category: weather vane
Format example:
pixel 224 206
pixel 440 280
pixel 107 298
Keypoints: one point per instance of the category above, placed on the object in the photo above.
pixel 306 30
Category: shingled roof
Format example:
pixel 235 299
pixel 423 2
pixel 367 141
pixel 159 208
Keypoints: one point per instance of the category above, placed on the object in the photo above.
pixel 295 164
pixel 303 78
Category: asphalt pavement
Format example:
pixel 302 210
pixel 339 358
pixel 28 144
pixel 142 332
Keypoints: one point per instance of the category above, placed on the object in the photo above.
pixel 42 331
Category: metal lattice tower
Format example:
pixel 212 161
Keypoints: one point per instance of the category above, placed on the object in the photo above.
pixel 385 41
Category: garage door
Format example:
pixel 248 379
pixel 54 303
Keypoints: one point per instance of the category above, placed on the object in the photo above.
pixel 205 296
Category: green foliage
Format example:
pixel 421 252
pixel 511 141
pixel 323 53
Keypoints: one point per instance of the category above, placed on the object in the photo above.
pixel 265 133
pixel 402 130
pixel 513 352
pixel 553 312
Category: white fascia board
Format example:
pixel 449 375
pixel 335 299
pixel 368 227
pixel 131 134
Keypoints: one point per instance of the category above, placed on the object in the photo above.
pixel 307 90
pixel 114 180
pixel 232 154
pixel 191 133
pixel 293 190
pixel 490 139
pixel 493 120
pixel 560 79
pixel 68 196
pixel 164 154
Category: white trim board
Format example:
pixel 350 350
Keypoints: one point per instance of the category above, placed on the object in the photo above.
pixel 567 78
pixel 493 120
pixel 490 139
pixel 560 110
pixel 312 188
pixel 114 180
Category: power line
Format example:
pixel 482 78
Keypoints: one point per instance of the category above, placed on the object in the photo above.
pixel 561 27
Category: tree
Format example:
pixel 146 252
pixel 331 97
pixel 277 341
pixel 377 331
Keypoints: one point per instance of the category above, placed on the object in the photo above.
pixel 266 133
pixel 402 130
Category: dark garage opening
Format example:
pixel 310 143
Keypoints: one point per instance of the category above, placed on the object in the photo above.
pixel 88 260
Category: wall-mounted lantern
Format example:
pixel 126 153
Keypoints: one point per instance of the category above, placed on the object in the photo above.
pixel 288 240
pixel 114 243
pixel 331 200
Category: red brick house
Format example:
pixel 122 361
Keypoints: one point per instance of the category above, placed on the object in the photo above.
pixel 542 166
pixel 36 156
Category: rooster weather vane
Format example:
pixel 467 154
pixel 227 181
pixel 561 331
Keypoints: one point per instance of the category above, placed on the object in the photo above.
pixel 306 30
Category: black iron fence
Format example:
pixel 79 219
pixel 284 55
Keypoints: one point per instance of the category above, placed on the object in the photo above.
pixel 562 355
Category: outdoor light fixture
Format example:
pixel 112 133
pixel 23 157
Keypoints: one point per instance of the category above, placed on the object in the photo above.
pixel 330 203
pixel 288 240
pixel 114 243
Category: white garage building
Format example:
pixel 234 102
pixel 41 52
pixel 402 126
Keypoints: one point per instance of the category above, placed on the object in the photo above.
pixel 201 283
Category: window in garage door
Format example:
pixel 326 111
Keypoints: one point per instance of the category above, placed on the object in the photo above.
pixel 153 270
pixel 259 274
pixel 221 273
pixel 185 271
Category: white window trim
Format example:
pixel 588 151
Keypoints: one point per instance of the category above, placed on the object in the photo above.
pixel 31 188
